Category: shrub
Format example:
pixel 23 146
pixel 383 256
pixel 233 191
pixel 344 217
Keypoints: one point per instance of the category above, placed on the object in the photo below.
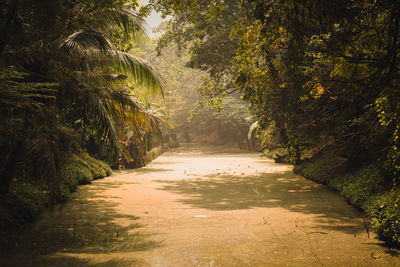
pixel 154 153
pixel 102 168
pixel 89 162
pixel 321 169
pixel 271 153
pixel 75 170
pixel 384 212
pixel 68 177
pixel 359 186
pixel 85 164
pixel 63 192
pixel 105 167
pixel 26 200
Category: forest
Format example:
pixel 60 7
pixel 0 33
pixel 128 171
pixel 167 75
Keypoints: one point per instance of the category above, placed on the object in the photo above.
pixel 314 84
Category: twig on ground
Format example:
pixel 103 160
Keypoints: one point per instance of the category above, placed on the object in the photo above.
pixel 301 228
pixel 366 225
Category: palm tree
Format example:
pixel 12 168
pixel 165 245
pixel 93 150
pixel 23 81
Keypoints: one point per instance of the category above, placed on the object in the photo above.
pixel 92 82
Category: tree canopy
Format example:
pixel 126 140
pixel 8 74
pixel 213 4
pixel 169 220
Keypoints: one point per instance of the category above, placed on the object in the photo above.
pixel 322 77
pixel 69 82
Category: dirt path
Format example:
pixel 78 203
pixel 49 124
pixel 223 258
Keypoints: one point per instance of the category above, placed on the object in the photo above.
pixel 200 207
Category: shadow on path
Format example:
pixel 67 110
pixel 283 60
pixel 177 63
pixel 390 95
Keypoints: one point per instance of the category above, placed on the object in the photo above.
pixel 87 225
pixel 268 190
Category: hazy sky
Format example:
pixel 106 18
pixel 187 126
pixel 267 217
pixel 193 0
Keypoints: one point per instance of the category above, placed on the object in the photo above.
pixel 152 21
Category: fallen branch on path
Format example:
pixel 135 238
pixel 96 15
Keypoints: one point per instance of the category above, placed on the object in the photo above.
pixel 301 228
pixel 266 220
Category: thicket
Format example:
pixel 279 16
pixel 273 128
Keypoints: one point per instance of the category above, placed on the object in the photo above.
pixel 69 85
pixel 28 196
pixel 195 118
pixel 322 79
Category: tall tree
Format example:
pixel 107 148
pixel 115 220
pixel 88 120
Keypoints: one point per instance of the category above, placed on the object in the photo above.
pixel 63 76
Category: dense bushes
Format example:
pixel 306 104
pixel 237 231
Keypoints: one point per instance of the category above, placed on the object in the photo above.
pixel 384 211
pixel 64 88
pixel 368 189
pixel 280 154
pixel 28 197
pixel 359 186
pixel 154 153
pixel 27 200
pixel 315 71
pixel 321 169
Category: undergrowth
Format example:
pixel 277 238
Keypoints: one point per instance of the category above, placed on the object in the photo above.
pixel 367 189
pixel 154 153
pixel 27 197
pixel 320 170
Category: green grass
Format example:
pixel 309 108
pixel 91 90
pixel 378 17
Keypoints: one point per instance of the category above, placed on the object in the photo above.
pixel 367 189
pixel 26 201
pixel 384 211
pixel 90 163
pixel 279 154
pixel 27 198
pixel 322 169
pixel 359 186
pixel 154 153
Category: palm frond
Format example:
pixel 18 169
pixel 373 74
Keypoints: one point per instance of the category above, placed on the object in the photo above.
pixel 86 39
pixel 99 111
pixel 142 72
pixel 47 156
pixel 128 20
pixel 113 77
pixel 106 19
pixel 138 115
pixel 255 125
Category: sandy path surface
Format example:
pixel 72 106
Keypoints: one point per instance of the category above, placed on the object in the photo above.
pixel 200 207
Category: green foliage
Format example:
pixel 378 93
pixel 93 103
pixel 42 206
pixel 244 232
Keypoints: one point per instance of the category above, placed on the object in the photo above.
pixel 359 186
pixel 81 169
pixel 229 123
pixel 73 172
pixel 321 169
pixel 26 200
pixel 68 83
pixel 367 188
pixel 93 166
pixel 105 167
pixel 279 154
pixel 384 212
pixel 181 83
pixel 28 196
pixel 154 153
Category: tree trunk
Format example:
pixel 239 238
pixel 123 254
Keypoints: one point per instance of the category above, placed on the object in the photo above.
pixel 9 18
pixel 9 169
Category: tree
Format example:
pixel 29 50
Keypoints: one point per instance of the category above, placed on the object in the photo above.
pixel 323 73
pixel 65 82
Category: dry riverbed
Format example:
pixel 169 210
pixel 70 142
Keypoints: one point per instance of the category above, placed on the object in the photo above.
pixel 199 206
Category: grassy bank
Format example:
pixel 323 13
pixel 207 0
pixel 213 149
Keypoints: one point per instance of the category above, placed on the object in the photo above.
pixel 154 153
pixel 367 188
pixel 27 197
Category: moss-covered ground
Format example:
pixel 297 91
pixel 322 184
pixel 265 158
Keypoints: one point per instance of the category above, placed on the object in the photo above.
pixel 27 197
pixel 367 188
